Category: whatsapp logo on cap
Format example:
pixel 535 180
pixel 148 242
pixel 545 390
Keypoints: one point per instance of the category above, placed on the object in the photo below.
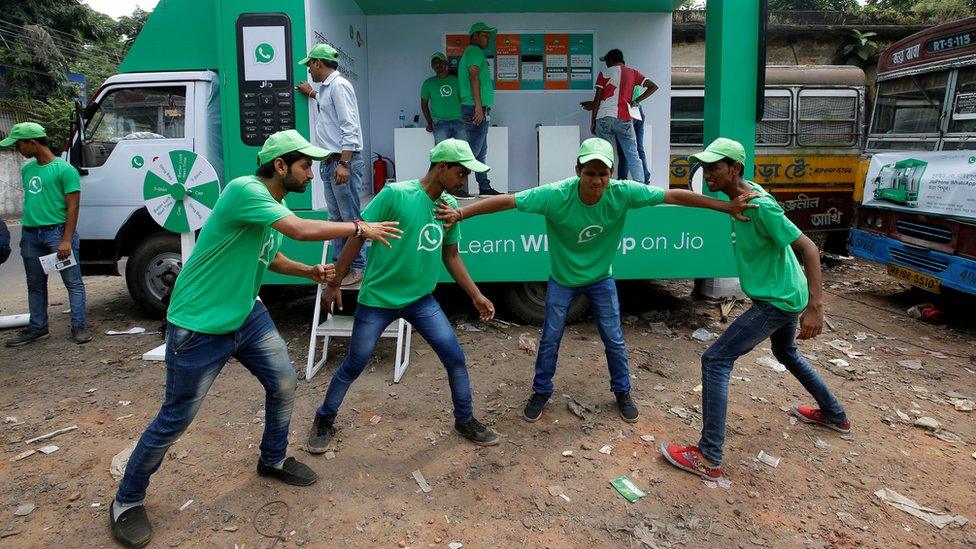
pixel 264 53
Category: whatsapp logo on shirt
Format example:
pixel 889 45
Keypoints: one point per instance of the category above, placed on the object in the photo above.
pixel 446 91
pixel 265 256
pixel 34 186
pixel 430 237
pixel 589 233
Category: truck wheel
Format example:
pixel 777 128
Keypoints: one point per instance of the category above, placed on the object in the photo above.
pixel 527 300
pixel 151 271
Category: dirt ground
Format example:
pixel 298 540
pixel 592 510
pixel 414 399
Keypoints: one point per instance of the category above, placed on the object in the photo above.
pixel 511 495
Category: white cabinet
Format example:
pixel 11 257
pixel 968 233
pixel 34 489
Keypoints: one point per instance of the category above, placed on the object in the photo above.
pixel 557 148
pixel 411 152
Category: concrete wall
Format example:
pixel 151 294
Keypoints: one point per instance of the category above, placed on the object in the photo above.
pixel 11 187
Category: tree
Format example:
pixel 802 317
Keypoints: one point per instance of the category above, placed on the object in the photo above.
pixel 813 5
pixel 128 26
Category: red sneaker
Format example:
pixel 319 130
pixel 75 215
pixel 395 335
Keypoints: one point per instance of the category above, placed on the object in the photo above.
pixel 689 458
pixel 809 414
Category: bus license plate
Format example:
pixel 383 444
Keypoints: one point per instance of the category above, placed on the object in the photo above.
pixel 925 282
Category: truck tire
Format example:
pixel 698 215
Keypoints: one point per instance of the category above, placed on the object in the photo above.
pixel 527 301
pixel 151 271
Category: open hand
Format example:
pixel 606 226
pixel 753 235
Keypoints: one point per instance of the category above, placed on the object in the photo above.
pixel 479 116
pixel 446 213
pixel 331 295
pixel 381 231
pixel 741 203
pixel 486 309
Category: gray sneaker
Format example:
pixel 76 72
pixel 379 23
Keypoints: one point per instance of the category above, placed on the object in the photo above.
pixel 80 334
pixel 353 277
pixel 27 335
pixel 320 435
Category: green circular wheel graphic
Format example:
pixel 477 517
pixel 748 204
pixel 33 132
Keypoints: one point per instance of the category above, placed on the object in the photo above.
pixel 180 190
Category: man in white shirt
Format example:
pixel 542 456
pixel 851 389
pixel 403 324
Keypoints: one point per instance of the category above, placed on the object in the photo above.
pixel 337 129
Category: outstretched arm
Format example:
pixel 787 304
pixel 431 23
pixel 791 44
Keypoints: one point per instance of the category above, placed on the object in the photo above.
pixel 282 264
pixel 811 319
pixel 492 204
pixel 298 228
pixel 682 197
pixel 455 266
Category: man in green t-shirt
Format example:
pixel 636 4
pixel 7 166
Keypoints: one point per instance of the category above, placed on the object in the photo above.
pixel 440 101
pixel 213 316
pixel 477 97
pixel 585 218
pixel 51 196
pixel 783 299
pixel 398 284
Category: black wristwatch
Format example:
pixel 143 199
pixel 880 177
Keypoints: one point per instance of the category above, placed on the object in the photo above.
pixel 343 163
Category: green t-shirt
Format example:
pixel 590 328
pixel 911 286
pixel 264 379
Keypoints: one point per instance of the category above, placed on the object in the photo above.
pixel 44 190
pixel 475 57
pixel 406 272
pixel 768 268
pixel 583 239
pixel 216 288
pixel 444 97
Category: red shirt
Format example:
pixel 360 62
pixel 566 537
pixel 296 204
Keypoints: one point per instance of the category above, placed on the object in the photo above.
pixel 617 83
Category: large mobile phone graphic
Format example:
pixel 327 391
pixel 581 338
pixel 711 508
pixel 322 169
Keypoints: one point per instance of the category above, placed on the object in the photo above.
pixel 265 75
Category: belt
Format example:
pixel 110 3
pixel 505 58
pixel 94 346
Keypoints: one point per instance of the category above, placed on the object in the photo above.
pixel 42 227
pixel 335 157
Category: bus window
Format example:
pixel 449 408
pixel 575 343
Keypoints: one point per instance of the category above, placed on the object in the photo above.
pixel 963 118
pixel 827 117
pixel 687 117
pixel 910 105
pixel 774 129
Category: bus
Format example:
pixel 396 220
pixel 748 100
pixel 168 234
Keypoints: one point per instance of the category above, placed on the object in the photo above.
pixel 808 143
pixel 918 210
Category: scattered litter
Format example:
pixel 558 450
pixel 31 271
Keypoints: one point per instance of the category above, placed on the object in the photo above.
pixel 698 388
pixel 726 308
pixel 974 455
pixel 659 387
pixel 845 347
pixel 10 419
pixel 24 509
pixel 626 488
pixel 936 518
pixel 121 459
pixel 771 363
pixel 902 416
pixel 455 545
pixel 911 364
pixel 820 444
pixel 680 412
pixel 565 497
pixel 50 449
pixel 125 402
pixel 567 453
pixel 131 331
pixel 701 334
pixel 126 416
pixel 188 503
pixel 421 481
pixel 527 344
pixel 92 390
pixel 661 328
pixel 647 438
pixel 860 336
pixel 24 454
pixel 722 483
pixel 946 436
pixel 468 327
pixel 839 362
pixel 579 409
pixel 927 423
pixel 329 455
pixel 375 419
pixel 555 491
pixel 52 434
pixel 964 405
pixel 772 461
pixel 606 449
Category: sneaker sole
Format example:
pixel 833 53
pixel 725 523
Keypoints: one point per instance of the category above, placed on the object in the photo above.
pixel 493 442
pixel 696 472
pixel 296 482
pixel 625 418
pixel 531 419
pixel 22 343
pixel 805 419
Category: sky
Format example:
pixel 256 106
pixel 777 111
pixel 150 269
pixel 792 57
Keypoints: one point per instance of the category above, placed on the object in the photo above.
pixel 117 8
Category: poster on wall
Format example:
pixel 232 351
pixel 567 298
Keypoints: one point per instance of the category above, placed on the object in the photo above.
pixel 940 183
pixel 533 61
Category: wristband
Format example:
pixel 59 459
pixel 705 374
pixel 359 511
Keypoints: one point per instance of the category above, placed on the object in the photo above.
pixel 359 229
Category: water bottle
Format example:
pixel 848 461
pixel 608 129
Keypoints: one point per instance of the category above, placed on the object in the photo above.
pixel 402 119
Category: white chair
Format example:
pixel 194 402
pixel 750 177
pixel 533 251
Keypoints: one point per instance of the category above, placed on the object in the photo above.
pixel 341 326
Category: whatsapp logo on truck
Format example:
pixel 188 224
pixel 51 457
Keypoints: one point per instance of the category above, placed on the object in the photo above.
pixel 264 53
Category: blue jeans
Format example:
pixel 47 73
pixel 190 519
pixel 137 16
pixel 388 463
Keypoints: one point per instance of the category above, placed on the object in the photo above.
pixel 193 360
pixel 429 320
pixel 622 160
pixel 761 321
pixel 619 131
pixel 38 241
pixel 342 202
pixel 603 299
pixel 477 137
pixel 448 129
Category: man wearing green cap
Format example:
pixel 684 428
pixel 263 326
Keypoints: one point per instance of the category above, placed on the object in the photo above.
pixel 51 196
pixel 785 296
pixel 337 129
pixel 477 96
pixel 585 218
pixel 213 316
pixel 440 101
pixel 398 284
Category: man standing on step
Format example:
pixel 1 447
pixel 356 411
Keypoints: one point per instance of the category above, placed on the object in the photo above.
pixel 398 284
pixel 213 316
pixel 477 97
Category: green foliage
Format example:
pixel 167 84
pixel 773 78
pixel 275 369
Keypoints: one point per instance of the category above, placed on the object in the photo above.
pixel 54 114
pixel 813 5
pixel 859 47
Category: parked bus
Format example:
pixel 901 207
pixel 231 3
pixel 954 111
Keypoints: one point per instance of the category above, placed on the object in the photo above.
pixel 808 143
pixel 918 212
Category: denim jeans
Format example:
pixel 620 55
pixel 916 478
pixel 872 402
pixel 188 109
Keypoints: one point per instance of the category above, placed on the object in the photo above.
pixel 761 321
pixel 448 129
pixel 342 202
pixel 429 320
pixel 622 160
pixel 193 360
pixel 603 299
pixel 619 131
pixel 38 241
pixel 477 137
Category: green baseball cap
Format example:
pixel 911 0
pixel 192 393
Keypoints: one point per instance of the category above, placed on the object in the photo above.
pixel 595 148
pixel 481 27
pixel 282 143
pixel 719 149
pixel 456 150
pixel 438 55
pixel 24 130
pixel 321 51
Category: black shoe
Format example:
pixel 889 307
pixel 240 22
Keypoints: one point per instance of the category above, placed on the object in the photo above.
pixel 320 435
pixel 533 408
pixel 132 527
pixel 27 335
pixel 461 193
pixel 477 433
pixel 80 334
pixel 292 472
pixel 628 410
pixel 488 191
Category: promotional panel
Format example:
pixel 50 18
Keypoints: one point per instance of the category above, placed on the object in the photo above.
pixel 938 183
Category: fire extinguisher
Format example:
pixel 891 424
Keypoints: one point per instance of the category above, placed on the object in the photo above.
pixel 380 173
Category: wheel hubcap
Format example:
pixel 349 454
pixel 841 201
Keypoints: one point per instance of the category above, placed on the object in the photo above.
pixel 161 273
